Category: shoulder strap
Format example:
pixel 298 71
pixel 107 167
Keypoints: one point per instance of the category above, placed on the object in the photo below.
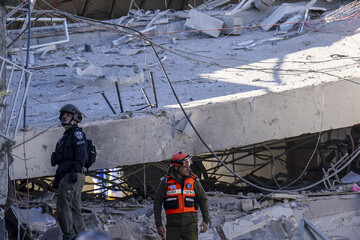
pixel 167 177
pixel 194 176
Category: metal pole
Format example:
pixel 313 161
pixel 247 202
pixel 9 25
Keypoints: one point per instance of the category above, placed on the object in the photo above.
pixel 107 101
pixel 154 90
pixel 27 57
pixel 118 93
pixel 306 223
pixel 15 100
pixel 23 102
pixel 146 97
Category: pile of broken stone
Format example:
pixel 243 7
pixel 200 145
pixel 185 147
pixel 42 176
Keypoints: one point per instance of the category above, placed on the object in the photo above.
pixel 250 216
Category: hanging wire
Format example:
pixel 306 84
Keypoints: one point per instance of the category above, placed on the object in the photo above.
pixel 142 36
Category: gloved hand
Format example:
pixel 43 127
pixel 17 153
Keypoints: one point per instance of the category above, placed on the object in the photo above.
pixel 73 177
pixel 53 159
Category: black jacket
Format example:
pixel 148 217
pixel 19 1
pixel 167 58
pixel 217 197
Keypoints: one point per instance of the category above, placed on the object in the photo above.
pixel 70 152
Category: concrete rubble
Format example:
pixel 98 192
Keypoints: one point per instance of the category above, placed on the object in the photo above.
pixel 265 218
pixel 283 10
pixel 200 21
pixel 263 5
pixel 34 219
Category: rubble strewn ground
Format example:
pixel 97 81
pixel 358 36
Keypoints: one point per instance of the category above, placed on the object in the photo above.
pixel 232 217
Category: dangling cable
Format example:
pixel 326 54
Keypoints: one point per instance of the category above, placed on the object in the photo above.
pixel 142 36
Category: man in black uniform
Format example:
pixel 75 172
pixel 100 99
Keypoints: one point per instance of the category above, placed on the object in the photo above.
pixel 70 154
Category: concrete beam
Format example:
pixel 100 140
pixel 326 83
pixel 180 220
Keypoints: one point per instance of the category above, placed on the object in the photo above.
pixel 201 21
pixel 224 122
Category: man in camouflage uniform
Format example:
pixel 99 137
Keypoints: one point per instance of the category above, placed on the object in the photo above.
pixel 181 193
pixel 70 154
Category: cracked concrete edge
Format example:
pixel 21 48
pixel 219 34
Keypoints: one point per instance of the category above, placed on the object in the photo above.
pixel 222 124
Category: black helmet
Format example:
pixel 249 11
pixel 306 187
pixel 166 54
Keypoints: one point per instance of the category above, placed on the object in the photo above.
pixel 69 108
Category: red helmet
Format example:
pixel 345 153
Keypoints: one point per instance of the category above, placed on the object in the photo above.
pixel 180 159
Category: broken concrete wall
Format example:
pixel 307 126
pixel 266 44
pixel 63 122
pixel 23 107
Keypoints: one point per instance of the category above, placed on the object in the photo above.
pixel 231 121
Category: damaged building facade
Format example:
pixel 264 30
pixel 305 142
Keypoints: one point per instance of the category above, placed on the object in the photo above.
pixel 270 87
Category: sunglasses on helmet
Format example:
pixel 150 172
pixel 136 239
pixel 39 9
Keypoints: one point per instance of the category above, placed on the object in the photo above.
pixel 187 162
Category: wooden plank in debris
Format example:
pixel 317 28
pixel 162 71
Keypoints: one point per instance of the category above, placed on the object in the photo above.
pixel 201 21
pixel 284 9
pixel 212 4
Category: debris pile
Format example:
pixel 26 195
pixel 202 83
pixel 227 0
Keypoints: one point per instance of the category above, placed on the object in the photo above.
pixel 252 216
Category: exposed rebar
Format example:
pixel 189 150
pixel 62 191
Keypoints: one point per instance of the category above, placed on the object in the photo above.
pixel 154 90
pixel 146 97
pixel 107 101
pixel 119 97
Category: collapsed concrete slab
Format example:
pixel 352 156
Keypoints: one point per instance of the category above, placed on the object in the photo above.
pixel 235 120
pixel 282 221
pixel 236 98
pixel 201 21
pixel 259 220
pixel 284 9
pixel 34 219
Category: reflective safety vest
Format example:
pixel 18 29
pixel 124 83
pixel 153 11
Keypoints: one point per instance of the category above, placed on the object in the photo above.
pixel 179 200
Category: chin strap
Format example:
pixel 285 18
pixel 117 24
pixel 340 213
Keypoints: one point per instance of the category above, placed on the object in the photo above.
pixel 65 124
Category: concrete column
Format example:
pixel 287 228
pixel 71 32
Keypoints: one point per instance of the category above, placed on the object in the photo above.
pixel 3 142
